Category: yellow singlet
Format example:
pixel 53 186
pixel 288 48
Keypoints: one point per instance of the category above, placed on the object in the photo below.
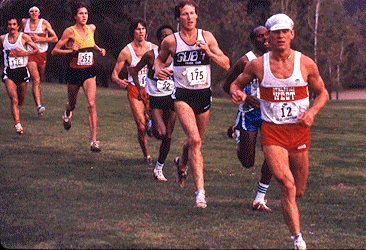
pixel 84 58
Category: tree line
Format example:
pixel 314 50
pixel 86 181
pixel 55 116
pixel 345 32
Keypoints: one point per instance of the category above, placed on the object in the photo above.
pixel 323 30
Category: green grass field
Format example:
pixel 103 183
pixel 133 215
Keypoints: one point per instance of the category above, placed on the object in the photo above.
pixel 55 193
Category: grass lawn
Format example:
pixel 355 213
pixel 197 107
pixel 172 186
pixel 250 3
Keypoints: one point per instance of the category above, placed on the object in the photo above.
pixel 55 193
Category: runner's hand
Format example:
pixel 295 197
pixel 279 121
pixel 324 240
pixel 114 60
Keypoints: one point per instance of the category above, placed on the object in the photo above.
pixel 238 96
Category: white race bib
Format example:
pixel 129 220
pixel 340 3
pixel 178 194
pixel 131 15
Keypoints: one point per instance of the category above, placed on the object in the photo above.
pixel 16 62
pixel 165 85
pixel 285 112
pixel 196 75
pixel 85 58
pixel 142 80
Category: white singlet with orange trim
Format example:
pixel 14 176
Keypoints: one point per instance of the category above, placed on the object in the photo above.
pixel 192 68
pixel 135 60
pixel 43 46
pixel 283 100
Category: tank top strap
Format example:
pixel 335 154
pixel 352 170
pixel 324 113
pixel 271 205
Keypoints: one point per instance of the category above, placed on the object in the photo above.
pixel 133 54
pixel 266 64
pixel 27 28
pixel 297 63
pixel 39 26
pixel 250 55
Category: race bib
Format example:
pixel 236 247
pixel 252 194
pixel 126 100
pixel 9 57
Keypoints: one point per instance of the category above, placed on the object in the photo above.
pixel 285 112
pixel 142 80
pixel 196 75
pixel 85 58
pixel 165 85
pixel 16 62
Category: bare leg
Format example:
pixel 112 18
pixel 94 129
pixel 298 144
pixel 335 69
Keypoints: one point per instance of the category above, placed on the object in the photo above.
pixel 278 161
pixel 36 78
pixel 194 127
pixel 246 148
pixel 16 94
pixel 163 126
pixel 137 108
pixel 90 91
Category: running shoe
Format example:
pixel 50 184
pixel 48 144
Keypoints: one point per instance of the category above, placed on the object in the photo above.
pixel 94 146
pixel 233 133
pixel 182 176
pixel 200 200
pixel 299 242
pixel 41 110
pixel 230 132
pixel 148 160
pixel 261 206
pixel 19 128
pixel 67 121
pixel 158 175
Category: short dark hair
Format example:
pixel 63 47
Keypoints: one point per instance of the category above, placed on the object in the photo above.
pixel 181 4
pixel 160 29
pixel 135 22
pixel 253 33
pixel 17 18
pixel 78 5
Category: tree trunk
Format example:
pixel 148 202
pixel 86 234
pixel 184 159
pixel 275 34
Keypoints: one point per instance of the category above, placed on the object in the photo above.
pixel 330 89
pixel 339 69
pixel 316 31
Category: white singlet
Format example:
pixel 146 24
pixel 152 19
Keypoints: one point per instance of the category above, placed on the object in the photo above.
pixel 192 68
pixel 156 87
pixel 283 100
pixel 134 62
pixel 14 62
pixel 43 46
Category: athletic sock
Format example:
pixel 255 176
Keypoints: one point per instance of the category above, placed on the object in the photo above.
pixel 261 191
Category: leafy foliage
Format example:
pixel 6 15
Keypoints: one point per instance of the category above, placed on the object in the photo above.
pixel 340 43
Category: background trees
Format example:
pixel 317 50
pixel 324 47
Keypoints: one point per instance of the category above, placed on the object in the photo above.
pixel 324 30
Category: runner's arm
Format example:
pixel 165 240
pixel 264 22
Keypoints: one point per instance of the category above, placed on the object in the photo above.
pixel 211 47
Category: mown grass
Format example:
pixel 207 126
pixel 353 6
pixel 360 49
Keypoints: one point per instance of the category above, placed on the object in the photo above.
pixel 55 193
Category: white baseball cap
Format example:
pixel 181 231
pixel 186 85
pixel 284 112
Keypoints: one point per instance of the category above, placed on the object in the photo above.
pixel 279 22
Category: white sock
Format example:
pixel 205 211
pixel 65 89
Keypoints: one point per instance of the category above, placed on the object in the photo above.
pixel 261 191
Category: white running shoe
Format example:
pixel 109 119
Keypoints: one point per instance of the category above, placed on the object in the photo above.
pixel 261 206
pixel 200 200
pixel 158 175
pixel 67 120
pixel 19 128
pixel 299 242
pixel 41 110
pixel 94 146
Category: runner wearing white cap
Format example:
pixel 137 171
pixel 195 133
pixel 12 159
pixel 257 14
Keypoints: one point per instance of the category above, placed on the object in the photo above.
pixel 284 76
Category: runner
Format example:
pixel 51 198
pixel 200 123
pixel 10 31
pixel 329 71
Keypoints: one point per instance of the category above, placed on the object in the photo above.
pixel 15 74
pixel 80 46
pixel 284 76
pixel 41 32
pixel 191 49
pixel 161 103
pixel 248 120
pixel 130 56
